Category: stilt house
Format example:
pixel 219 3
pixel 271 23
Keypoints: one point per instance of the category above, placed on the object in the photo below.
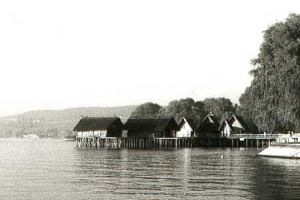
pixel 187 128
pixel 209 127
pixel 238 124
pixel 151 127
pixel 233 125
pixel 99 127
pixel 225 128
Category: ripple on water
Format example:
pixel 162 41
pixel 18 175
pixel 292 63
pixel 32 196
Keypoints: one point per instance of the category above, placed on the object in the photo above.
pixel 54 169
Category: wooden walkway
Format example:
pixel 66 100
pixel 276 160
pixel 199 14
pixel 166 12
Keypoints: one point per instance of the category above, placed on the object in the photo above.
pixel 234 140
pixel 250 140
pixel 255 136
pixel 135 142
pixel 174 142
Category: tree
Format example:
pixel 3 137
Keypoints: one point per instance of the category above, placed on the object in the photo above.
pixel 199 110
pixel 251 126
pixel 188 107
pixel 179 108
pixel 184 108
pixel 272 101
pixel 221 107
pixel 146 110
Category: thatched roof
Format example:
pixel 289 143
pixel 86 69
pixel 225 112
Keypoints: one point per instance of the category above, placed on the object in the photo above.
pixel 190 121
pixel 237 122
pixel 209 124
pixel 95 123
pixel 150 124
pixel 234 122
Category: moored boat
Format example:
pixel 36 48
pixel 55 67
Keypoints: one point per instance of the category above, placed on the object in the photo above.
pixel 70 138
pixel 285 147
pixel 31 136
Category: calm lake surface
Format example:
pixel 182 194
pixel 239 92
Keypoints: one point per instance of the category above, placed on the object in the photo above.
pixel 55 169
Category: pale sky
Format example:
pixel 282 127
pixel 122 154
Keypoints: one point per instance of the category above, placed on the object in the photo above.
pixel 68 53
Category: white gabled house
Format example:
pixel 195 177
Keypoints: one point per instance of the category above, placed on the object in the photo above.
pixel 225 128
pixel 187 128
pixel 234 125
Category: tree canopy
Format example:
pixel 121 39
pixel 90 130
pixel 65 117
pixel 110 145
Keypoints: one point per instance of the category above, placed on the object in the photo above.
pixel 221 107
pixel 188 107
pixel 148 109
pixel 272 101
pixel 184 108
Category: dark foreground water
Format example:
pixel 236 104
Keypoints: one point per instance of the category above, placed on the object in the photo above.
pixel 55 169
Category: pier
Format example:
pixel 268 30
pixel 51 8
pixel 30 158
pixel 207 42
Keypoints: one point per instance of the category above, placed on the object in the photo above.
pixel 234 140
pixel 240 140
pixel 252 140
pixel 135 142
pixel 164 132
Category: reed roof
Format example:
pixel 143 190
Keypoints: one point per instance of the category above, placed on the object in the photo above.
pixel 190 121
pixel 150 124
pixel 96 123
pixel 209 124
pixel 240 122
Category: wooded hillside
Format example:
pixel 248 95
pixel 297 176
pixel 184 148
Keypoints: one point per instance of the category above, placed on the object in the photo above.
pixel 55 123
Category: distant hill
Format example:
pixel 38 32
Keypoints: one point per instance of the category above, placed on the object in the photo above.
pixel 55 123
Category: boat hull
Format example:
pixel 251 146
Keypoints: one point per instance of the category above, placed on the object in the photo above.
pixel 282 151
pixel 31 136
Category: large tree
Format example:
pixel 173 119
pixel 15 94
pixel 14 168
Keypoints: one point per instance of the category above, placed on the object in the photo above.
pixel 221 107
pixel 148 109
pixel 184 108
pixel 272 101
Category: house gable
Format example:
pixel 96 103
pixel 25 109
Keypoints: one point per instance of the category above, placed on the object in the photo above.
pixel 186 128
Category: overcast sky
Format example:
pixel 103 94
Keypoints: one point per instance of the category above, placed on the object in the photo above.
pixel 67 53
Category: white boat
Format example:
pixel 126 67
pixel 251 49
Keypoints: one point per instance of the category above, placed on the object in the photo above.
pixel 287 146
pixel 31 136
pixel 70 138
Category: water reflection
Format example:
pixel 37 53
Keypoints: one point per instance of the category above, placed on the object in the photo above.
pixel 52 169
pixel 182 173
pixel 276 178
pixel 188 173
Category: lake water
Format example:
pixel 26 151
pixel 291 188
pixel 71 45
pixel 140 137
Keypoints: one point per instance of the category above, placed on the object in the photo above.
pixel 55 169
